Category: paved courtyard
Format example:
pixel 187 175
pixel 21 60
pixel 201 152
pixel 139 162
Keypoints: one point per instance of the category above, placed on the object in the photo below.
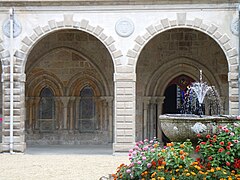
pixel 60 162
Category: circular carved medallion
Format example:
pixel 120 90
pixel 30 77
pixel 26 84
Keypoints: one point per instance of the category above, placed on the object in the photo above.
pixel 124 27
pixel 235 26
pixel 17 28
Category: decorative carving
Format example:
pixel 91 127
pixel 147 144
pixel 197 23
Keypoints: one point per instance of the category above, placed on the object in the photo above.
pixel 17 28
pixel 235 26
pixel 124 27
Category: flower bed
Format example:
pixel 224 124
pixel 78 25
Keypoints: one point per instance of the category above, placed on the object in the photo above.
pixel 219 158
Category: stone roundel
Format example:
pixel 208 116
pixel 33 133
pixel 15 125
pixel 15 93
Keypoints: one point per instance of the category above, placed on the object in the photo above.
pixel 124 27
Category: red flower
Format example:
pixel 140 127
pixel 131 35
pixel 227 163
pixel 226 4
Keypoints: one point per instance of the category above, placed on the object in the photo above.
pixel 221 150
pixel 229 143
pixel 226 130
pixel 221 143
pixel 228 163
pixel 154 163
pixel 214 136
pixel 208 136
pixel 228 153
pixel 210 158
pixel 228 147
pixel 199 135
pixel 203 143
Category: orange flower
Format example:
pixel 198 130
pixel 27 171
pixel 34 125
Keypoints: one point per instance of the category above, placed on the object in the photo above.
pixel 181 152
pixel 164 163
pixel 182 157
pixel 181 145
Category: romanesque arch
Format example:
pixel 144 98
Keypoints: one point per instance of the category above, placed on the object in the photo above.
pixel 152 94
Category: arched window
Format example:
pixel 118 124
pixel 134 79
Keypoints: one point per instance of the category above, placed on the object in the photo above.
pixel 46 110
pixel 87 119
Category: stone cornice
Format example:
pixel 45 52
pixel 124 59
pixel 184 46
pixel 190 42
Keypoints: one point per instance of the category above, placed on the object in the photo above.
pixel 15 3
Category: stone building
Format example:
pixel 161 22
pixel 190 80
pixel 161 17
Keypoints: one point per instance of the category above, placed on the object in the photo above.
pixel 99 72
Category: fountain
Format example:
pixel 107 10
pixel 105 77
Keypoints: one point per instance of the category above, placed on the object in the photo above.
pixel 192 118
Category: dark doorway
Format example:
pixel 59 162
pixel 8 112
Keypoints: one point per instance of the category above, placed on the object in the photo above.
pixel 170 103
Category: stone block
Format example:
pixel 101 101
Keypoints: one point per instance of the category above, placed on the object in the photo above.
pixel 140 40
pixel 98 30
pixel 124 125
pixel 233 105
pixel 46 28
pixel 118 62
pixel 146 36
pixel 52 24
pixel 173 23
pixel 136 47
pixel 60 24
pixel 117 54
pixel 234 91
pixel 19 54
pixel 124 139
pixel 125 98
pixel 159 27
pixel 189 22
pixel 84 23
pixel 103 36
pixel 24 48
pixel 131 61
pixel 109 40
pixel 76 25
pixel 124 69
pixel 224 39
pixel 217 35
pixel 68 20
pixel 234 68
pixel 233 76
pixel 165 23
pixel 131 54
pixel 197 22
pixel 124 112
pixel 1 48
pixel 233 84
pixel 232 53
pixel 27 41
pixel 120 133
pixel 151 30
pixel 33 37
pixel 181 18
pixel 4 54
pixel 112 48
pixel 90 28
pixel 227 46
pixel 38 31
pixel 124 76
pixel 233 60
pixel 124 84
pixel 204 27
pixel 212 29
pixel 122 147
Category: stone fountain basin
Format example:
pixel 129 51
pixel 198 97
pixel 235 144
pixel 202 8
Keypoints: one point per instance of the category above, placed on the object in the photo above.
pixel 177 127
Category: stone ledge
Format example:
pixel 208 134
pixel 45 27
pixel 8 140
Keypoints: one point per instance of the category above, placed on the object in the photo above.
pixel 122 147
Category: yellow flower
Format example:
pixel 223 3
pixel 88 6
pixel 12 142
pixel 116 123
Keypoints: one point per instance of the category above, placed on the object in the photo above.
pixel 172 149
pixel 218 168
pixel 153 174
pixel 177 170
pixel 153 178
pixel 185 170
pixel 229 178
pixel 173 178
pixel 188 174
pixel 180 167
pixel 193 173
pixel 212 170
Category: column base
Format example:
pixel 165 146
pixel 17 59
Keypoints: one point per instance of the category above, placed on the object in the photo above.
pixel 122 147
pixel 17 147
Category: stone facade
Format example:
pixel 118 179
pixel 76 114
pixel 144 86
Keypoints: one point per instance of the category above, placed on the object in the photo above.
pixel 127 54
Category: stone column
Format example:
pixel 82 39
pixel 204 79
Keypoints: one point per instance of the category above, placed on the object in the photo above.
pixel 124 103
pixel 77 100
pixel 110 118
pixel 65 101
pixel 71 119
pixel 160 101
pixel 146 101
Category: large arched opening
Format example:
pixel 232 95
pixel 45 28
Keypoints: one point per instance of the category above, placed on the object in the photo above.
pixel 69 90
pixel 168 56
